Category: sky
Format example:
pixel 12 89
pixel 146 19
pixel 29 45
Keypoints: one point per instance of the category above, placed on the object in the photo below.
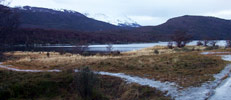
pixel 144 12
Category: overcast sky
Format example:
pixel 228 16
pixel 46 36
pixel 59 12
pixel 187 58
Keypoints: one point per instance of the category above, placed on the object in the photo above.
pixel 145 12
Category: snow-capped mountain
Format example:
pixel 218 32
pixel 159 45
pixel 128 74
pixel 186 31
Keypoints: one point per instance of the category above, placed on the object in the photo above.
pixel 45 18
pixel 123 21
pixel 52 11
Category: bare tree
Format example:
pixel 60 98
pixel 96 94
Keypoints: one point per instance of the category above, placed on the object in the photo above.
pixel 213 43
pixel 181 38
pixel 206 41
pixel 170 45
pixel 199 43
pixel 228 43
pixel 82 47
pixel 109 47
pixel 85 82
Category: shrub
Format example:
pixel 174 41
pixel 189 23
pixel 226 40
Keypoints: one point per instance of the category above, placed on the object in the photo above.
pixel 48 54
pixel 205 42
pixel 29 90
pixel 228 43
pixel 156 52
pixel 86 83
pixel 199 43
pixel 211 47
pixel 181 38
pixel 170 45
pixel 213 43
pixel 115 53
pixel 109 48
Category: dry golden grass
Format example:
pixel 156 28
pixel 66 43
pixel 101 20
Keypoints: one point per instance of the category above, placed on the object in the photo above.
pixel 186 69
pixel 222 50
pixel 150 51
pixel 163 50
pixel 185 66
pixel 40 60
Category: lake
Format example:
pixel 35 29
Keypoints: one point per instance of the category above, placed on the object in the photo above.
pixel 99 48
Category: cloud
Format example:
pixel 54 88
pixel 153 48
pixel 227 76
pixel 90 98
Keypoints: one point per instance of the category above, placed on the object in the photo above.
pixel 148 20
pixel 146 12
pixel 220 14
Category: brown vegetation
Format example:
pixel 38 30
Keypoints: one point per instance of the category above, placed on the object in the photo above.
pixel 181 38
pixel 58 86
pixel 185 66
pixel 186 69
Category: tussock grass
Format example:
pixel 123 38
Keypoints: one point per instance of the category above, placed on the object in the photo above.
pixel 186 69
pixel 40 60
pixel 222 50
pixel 58 86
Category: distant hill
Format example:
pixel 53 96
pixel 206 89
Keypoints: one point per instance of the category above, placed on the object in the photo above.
pixel 34 17
pixel 42 26
pixel 199 27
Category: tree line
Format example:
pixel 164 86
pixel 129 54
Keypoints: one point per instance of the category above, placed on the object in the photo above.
pixel 182 38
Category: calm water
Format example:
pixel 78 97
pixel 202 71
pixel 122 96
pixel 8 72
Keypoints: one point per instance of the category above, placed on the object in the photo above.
pixel 100 48
pixel 130 47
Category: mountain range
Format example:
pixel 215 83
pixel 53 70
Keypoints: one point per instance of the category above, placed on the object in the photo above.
pixel 34 17
pixel 122 21
pixel 42 25
pixel 199 27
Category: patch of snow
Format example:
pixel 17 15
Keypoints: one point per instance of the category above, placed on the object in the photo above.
pixel 205 90
pixel 192 93
pixel 116 20
pixel 226 57
pixel 209 53
pixel 223 91
pixel 169 87
pixel 172 89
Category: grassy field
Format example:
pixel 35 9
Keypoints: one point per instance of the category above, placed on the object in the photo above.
pixel 59 86
pixel 186 69
pixel 185 66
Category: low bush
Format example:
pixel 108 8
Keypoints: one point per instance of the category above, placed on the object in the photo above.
pixel 87 85
pixel 156 52
pixel 211 47
pixel 15 85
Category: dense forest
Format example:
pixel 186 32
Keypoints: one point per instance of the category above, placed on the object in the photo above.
pixel 42 36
